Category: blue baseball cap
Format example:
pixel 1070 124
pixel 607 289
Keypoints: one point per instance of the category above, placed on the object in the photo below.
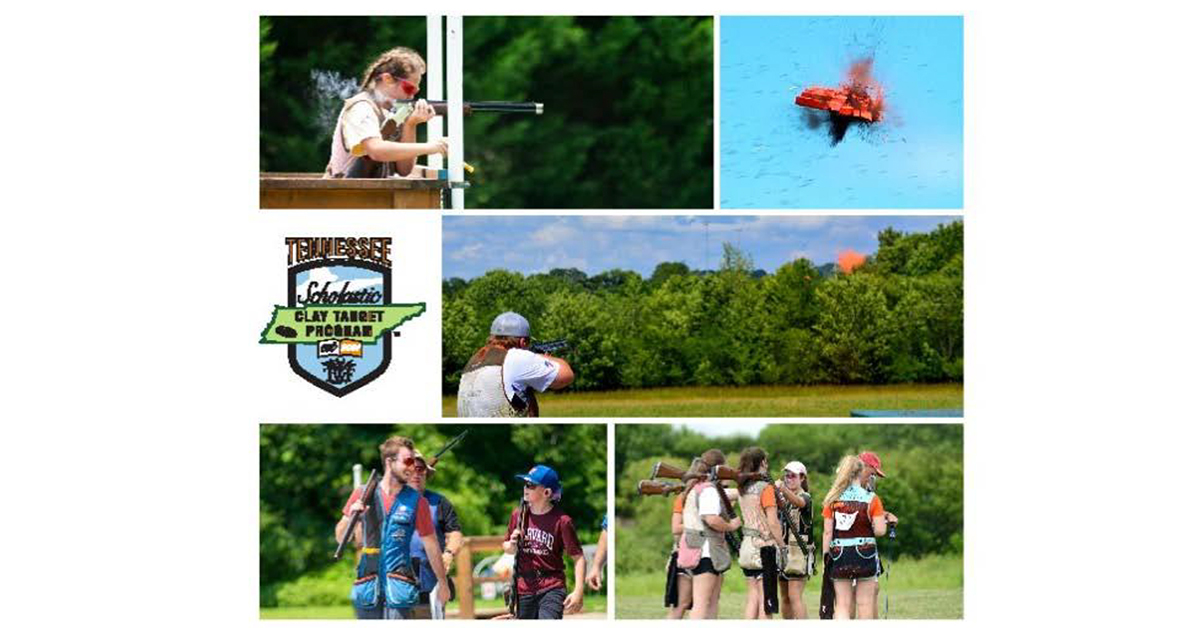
pixel 543 476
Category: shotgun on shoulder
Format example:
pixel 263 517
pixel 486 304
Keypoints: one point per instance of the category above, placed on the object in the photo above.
pixel 368 493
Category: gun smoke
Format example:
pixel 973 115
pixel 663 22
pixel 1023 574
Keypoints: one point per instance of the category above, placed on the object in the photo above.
pixel 329 90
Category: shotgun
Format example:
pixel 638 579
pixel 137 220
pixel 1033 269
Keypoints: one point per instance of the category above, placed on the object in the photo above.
pixel 514 603
pixel 666 489
pixel 368 494
pixel 363 167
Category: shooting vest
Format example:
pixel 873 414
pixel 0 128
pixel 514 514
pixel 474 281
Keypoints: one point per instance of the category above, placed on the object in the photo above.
pixel 481 389
pixel 385 570
pixel 427 578
pixel 851 518
pixel 339 154
pixel 696 533
pixel 801 519
pixel 755 532
pixel 801 554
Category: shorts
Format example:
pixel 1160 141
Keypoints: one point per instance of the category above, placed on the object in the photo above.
pixel 705 566
pixel 854 563
pixel 786 578
pixel 757 574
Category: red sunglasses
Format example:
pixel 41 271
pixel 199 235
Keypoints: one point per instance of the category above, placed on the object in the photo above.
pixel 408 87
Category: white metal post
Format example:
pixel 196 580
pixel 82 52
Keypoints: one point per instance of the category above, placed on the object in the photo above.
pixel 454 106
pixel 434 80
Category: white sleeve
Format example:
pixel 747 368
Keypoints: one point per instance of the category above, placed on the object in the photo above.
pixel 526 369
pixel 710 502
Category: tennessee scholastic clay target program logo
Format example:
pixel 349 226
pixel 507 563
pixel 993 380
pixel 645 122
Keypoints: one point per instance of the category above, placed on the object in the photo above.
pixel 339 316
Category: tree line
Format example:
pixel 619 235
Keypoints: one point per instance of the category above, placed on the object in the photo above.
pixel 923 463
pixel 897 318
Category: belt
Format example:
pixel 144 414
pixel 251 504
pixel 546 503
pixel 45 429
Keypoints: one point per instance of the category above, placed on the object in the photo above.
pixel 853 541
pixel 370 550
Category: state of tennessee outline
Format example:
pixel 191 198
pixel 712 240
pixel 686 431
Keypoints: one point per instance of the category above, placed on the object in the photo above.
pixel 311 324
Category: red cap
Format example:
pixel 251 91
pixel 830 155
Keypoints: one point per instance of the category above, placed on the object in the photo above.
pixel 871 460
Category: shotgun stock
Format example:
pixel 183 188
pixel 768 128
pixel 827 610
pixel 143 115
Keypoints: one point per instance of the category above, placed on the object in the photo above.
pixel 664 470
pixel 650 487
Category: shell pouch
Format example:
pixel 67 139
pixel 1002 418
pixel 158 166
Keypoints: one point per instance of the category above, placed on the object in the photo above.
pixel 365 592
pixel 749 556
pixel 401 592
pixel 690 547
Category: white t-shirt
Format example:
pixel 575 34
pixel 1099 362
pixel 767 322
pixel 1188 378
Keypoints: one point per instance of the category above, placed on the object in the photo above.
pixel 525 369
pixel 709 504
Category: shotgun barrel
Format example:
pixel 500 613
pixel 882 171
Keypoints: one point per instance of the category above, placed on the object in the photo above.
pixel 368 494
pixel 494 106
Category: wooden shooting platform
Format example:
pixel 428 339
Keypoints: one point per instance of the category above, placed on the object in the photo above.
pixel 308 190
pixel 465 580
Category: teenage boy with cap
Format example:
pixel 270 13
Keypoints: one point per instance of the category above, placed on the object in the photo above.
pixel 449 536
pixel 548 533
pixel 500 378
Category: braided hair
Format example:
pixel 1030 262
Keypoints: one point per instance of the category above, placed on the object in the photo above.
pixel 400 62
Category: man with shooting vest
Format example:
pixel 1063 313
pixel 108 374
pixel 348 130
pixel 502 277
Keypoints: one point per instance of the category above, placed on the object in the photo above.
pixel 386 586
pixel 500 379
pixel 449 537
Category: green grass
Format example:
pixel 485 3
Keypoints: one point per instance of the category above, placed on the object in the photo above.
pixel 744 401
pixel 593 603
pixel 925 588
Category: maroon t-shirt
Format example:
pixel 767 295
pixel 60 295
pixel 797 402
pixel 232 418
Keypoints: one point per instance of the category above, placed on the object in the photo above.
pixel 542 545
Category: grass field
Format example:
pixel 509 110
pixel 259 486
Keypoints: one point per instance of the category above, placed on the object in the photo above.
pixel 744 401
pixel 593 608
pixel 926 588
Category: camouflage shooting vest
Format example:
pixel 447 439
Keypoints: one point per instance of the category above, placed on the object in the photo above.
pixel 755 532
pixel 481 389
pixel 801 553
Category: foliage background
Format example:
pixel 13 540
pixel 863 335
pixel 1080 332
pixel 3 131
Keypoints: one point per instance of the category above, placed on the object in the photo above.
pixel 898 318
pixel 924 487
pixel 305 479
pixel 628 121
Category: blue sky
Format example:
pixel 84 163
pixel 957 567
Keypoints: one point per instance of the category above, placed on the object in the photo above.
pixel 473 245
pixel 912 159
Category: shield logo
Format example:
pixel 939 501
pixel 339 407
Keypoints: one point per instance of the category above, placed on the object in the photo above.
pixel 336 364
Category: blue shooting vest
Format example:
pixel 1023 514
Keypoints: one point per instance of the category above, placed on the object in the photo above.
pixel 427 578
pixel 386 563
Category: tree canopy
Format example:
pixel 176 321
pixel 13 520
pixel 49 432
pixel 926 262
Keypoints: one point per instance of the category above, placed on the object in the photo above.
pixel 897 318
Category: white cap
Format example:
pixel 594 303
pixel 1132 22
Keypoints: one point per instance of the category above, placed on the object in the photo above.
pixel 796 467
pixel 510 324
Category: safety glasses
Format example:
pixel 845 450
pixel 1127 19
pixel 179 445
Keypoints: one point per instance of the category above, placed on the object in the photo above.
pixel 409 88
